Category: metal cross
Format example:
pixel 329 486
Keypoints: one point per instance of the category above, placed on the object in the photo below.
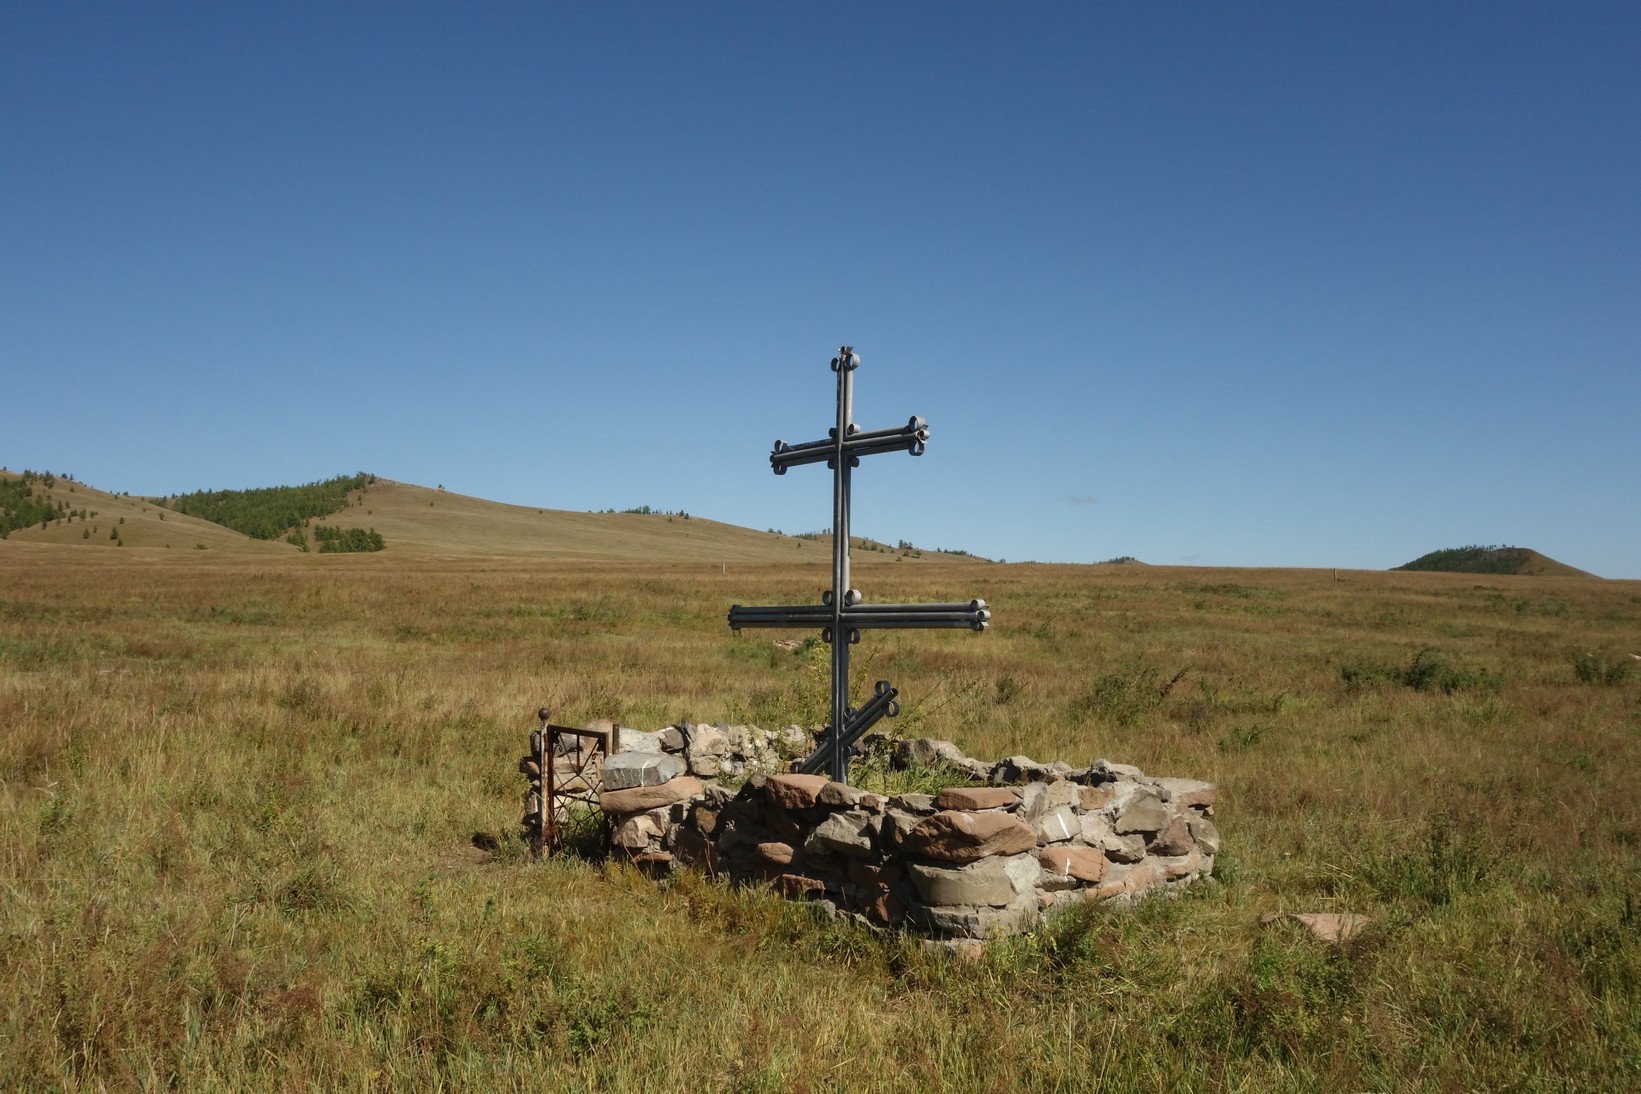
pixel 842 614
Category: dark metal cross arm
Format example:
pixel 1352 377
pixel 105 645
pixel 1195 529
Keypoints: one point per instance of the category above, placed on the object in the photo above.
pixel 974 616
pixel 802 615
pixel 912 437
pixel 881 705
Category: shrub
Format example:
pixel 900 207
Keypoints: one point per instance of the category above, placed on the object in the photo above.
pixel 19 508
pixel 347 540
pixel 1600 668
pixel 1124 697
pixel 1428 671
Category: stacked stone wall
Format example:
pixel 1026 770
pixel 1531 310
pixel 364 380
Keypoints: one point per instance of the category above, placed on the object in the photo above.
pixel 968 862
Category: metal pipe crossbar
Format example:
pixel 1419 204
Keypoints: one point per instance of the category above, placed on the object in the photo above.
pixel 881 705
pixel 911 437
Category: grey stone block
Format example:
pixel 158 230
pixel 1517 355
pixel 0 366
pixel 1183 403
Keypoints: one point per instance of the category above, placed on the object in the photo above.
pixel 1145 812
pixel 989 882
pixel 1098 832
pixel 1059 825
pixel 1205 833
pixel 627 769
pixel 636 740
pixel 1033 801
pixel 842 833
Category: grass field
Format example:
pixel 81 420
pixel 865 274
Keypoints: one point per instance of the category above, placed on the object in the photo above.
pixel 239 795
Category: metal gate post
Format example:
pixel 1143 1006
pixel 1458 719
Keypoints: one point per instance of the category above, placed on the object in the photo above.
pixel 570 764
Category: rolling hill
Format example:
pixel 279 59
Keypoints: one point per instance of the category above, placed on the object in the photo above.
pixel 426 522
pixel 89 517
pixel 1492 560
pixel 419 521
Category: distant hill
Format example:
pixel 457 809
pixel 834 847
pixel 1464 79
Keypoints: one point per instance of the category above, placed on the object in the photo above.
pixel 84 516
pixel 411 521
pixel 271 512
pixel 1492 560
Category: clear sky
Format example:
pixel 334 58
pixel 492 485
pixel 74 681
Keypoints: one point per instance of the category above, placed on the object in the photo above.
pixel 1224 284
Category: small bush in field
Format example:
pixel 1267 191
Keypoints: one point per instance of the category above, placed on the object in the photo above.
pixel 1430 670
pixel 1600 669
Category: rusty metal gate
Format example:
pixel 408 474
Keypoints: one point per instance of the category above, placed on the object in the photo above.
pixel 564 769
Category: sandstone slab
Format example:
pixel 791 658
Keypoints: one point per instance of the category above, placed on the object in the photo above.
pixel 798 887
pixel 635 832
pixel 706 750
pixel 954 836
pixel 794 791
pixel 976 797
pixel 776 852
pixel 641 799
pixel 1124 883
pixel 1071 863
pixel 874 875
pixel 1064 792
pixel 991 882
pixel 704 818
pixel 1327 926
pixel 784 823
pixel 841 795
pixel 1090 798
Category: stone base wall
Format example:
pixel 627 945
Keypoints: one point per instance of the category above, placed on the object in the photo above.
pixel 966 863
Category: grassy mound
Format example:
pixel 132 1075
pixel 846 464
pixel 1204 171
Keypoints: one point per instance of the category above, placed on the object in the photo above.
pixel 1492 560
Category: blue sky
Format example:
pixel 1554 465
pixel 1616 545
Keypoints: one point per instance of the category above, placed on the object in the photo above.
pixel 1242 285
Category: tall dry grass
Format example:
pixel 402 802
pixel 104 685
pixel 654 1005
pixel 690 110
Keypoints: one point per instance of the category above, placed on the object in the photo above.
pixel 238 804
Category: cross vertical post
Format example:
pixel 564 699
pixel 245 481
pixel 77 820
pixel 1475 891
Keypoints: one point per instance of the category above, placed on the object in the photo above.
pixel 841 613
pixel 845 364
